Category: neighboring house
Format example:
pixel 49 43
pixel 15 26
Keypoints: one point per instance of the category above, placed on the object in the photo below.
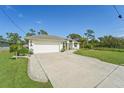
pixel 4 45
pixel 50 43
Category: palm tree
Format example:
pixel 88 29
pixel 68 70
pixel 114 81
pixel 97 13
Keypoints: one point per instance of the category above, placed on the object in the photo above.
pixel 32 31
pixel 15 43
pixel 89 35
pixel 109 41
pixel 83 42
pixel 42 32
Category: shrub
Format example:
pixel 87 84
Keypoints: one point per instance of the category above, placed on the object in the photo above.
pixel 30 51
pixel 62 50
pixel 23 51
pixel 89 46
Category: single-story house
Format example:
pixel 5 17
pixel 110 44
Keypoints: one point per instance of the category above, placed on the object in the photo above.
pixel 4 43
pixel 50 43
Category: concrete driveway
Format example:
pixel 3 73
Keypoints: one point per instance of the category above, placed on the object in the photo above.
pixel 68 70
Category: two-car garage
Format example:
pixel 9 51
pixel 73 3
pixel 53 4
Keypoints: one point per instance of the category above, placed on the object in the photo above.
pixel 45 48
pixel 45 43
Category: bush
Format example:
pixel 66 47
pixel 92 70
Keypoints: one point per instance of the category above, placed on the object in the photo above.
pixel 30 51
pixel 23 51
pixel 89 46
pixel 13 48
pixel 62 50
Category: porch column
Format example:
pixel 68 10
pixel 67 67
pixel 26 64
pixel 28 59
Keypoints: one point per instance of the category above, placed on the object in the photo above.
pixel 73 47
pixel 78 46
pixel 67 45
pixel 60 46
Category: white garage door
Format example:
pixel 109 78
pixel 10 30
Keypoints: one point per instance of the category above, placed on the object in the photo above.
pixel 45 48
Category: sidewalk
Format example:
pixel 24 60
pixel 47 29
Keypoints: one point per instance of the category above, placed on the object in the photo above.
pixel 35 71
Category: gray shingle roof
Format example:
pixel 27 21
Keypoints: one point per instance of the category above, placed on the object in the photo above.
pixel 45 37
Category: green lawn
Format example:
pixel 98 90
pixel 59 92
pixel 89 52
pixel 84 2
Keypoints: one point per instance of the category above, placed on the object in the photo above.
pixel 13 73
pixel 107 56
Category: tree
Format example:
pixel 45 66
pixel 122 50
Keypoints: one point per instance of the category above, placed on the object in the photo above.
pixel 15 43
pixel 1 37
pixel 83 42
pixel 74 36
pixel 111 42
pixel 94 43
pixel 1 40
pixel 31 33
pixel 89 35
pixel 42 32
pixel 13 38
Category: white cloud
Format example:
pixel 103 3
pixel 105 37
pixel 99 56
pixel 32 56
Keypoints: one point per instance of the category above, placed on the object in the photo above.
pixel 38 22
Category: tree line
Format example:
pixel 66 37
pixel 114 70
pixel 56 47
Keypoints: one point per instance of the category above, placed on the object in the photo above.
pixel 17 43
pixel 33 32
pixel 88 40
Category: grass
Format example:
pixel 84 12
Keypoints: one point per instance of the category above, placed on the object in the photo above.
pixel 113 57
pixel 13 73
pixel 109 49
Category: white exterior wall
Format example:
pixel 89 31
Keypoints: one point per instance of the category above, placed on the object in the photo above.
pixel 77 47
pixel 60 47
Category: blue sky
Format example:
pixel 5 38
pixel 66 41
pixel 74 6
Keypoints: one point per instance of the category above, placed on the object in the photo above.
pixel 62 20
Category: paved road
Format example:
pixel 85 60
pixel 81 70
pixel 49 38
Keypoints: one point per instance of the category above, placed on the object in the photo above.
pixel 70 70
pixel 4 48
